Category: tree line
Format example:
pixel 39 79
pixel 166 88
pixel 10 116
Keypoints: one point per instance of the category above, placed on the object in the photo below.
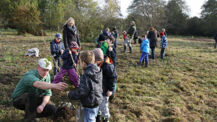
pixel 35 16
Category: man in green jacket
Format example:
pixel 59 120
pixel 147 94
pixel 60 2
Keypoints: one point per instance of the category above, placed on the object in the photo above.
pixel 32 93
pixel 130 34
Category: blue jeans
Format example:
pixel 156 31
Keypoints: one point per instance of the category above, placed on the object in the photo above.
pixel 152 53
pixel 144 56
pixel 116 43
pixel 162 53
pixel 90 114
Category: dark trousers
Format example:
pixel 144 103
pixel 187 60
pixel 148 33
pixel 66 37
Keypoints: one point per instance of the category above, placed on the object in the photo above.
pixel 215 44
pixel 153 53
pixel 162 53
pixel 29 103
pixel 134 41
pixel 56 65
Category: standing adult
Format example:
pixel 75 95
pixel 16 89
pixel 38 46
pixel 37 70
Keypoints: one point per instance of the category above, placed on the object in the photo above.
pixel 70 33
pixel 32 93
pixel 152 36
pixel 130 35
pixel 215 40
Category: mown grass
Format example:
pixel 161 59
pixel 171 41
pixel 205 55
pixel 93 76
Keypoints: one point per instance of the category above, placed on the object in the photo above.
pixel 183 87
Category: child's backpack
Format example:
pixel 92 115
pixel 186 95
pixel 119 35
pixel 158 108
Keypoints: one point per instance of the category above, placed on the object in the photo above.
pixel 136 35
pixel 140 41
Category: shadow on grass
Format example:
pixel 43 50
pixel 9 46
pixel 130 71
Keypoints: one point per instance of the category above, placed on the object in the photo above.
pixel 4 120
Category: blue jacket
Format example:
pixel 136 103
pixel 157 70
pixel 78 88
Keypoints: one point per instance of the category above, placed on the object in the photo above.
pixel 67 60
pixel 55 48
pixel 163 42
pixel 145 46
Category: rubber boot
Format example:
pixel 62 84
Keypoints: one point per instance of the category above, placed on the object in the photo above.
pixel 98 118
pixel 130 49
pixel 125 48
pixel 146 64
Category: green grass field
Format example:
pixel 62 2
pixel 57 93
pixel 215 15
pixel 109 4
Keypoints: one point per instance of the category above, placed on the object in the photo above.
pixel 181 88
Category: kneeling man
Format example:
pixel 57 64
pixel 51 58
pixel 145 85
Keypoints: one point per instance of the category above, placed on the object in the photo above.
pixel 32 93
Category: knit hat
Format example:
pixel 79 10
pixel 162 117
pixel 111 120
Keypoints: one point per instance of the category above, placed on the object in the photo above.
pixel 161 33
pixel 99 56
pixel 73 45
pixel 101 37
pixel 45 64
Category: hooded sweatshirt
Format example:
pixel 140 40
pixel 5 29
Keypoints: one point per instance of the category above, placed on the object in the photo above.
pixel 90 88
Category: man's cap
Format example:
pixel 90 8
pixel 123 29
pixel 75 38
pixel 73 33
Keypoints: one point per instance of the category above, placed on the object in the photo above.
pixel 58 35
pixel 45 64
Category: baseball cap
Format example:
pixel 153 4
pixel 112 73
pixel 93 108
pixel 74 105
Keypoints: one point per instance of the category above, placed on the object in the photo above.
pixel 45 64
pixel 58 35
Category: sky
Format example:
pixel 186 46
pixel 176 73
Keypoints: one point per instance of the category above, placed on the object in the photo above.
pixel 193 5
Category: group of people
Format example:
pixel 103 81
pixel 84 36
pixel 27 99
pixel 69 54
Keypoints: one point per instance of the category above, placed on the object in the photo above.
pixel 147 41
pixel 97 80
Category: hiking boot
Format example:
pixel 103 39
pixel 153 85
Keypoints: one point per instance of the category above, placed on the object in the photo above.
pixel 105 119
pixel 98 118
pixel 111 98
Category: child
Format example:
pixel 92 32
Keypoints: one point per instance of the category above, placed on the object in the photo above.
pixel 56 48
pixel 125 39
pixel 145 50
pixel 90 88
pixel 164 31
pixel 69 64
pixel 101 38
pixel 163 44
pixel 109 81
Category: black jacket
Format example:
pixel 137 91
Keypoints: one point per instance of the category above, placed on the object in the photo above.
pixel 131 31
pixel 70 34
pixel 152 36
pixel 90 88
pixel 112 54
pixel 67 60
pixel 109 77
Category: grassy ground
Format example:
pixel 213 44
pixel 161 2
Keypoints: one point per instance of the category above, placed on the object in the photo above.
pixel 181 88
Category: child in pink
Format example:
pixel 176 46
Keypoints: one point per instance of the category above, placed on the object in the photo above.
pixel 70 59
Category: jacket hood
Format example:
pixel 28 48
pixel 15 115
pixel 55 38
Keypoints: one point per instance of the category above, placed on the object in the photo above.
pixel 93 71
